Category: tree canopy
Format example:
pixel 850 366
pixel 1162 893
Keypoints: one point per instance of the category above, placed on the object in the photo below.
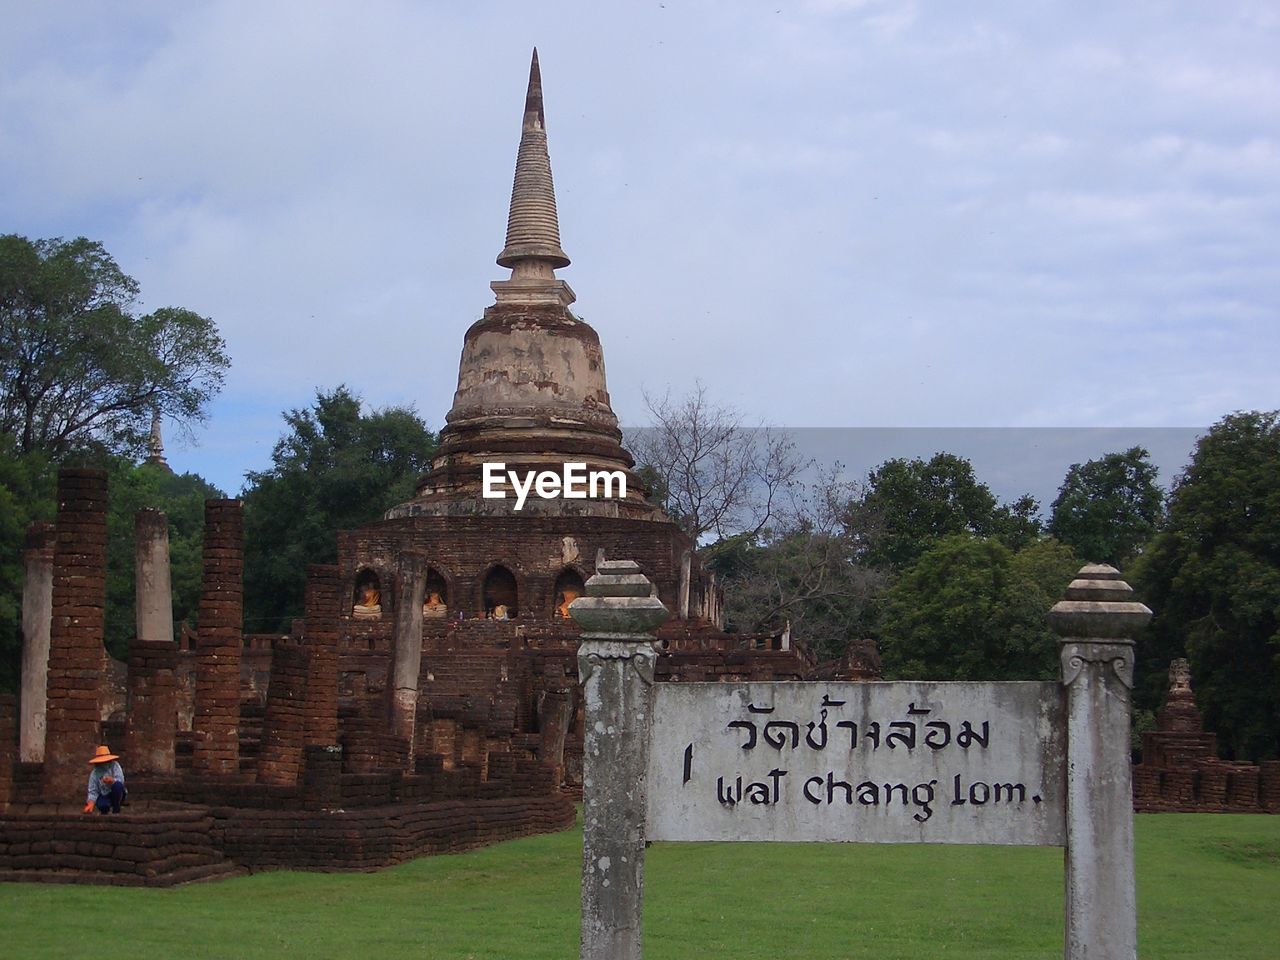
pixel 910 504
pixel 969 608
pixel 79 367
pixel 1212 578
pixel 1108 509
pixel 334 469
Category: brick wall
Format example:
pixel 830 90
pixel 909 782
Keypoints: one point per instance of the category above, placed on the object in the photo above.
pixel 219 640
pixel 76 654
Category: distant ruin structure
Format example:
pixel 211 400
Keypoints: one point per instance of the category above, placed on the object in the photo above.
pixel 1180 770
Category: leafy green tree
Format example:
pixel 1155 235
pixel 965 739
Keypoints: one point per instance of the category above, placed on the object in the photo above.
pixel 79 367
pixel 336 468
pixel 1212 578
pixel 910 504
pixel 1108 509
pixel 969 608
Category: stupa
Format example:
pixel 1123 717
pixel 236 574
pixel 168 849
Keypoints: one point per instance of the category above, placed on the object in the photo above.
pixel 531 382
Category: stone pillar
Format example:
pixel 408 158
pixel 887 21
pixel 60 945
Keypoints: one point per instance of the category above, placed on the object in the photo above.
pixel 323 604
pixel 616 658
pixel 686 568
pixel 406 657
pixel 555 710
pixel 153 595
pixel 76 654
pixel 37 612
pixel 219 640
pixel 1098 622
pixel 285 719
pixel 152 719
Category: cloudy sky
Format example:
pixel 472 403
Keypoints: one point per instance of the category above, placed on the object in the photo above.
pixel 836 213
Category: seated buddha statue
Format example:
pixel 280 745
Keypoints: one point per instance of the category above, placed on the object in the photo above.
pixel 370 605
pixel 433 606
pixel 500 612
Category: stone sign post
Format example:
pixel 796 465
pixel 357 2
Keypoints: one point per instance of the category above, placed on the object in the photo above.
pixel 911 761
pixel 1098 621
pixel 615 667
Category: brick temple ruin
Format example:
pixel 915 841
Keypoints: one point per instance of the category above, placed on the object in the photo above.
pixel 428 699
pixel 1180 770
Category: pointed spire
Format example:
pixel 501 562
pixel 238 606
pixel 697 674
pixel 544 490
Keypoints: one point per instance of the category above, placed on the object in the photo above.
pixel 533 230
pixel 155 446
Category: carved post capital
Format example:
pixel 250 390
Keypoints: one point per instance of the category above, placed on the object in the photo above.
pixel 618 604
pixel 1077 654
pixel 639 652
pixel 1098 607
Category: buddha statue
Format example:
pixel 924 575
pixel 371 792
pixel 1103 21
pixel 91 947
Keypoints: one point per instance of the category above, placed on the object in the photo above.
pixel 370 605
pixel 500 612
pixel 434 606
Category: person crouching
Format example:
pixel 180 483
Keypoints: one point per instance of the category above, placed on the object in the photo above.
pixel 106 782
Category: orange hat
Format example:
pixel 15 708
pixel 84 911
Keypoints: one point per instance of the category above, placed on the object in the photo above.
pixel 103 755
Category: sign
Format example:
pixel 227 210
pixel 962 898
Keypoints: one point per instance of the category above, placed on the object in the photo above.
pixel 865 762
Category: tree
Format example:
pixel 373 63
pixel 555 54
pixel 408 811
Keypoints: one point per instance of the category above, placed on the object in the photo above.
pixel 969 608
pixel 1108 509
pixel 1212 579
pixel 801 570
pixel 79 367
pixel 714 474
pixel 335 469
pixel 909 504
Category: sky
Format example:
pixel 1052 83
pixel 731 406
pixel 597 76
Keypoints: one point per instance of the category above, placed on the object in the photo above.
pixel 831 213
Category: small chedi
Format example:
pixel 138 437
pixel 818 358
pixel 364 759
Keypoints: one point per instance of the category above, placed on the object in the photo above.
pixel 1180 770
pixel 428 699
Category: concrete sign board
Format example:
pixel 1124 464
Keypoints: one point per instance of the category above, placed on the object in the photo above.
pixel 863 762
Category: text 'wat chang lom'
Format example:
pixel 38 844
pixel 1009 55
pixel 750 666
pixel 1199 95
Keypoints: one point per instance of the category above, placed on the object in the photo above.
pixel 428 699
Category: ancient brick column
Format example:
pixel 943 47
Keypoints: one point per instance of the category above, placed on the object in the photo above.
pixel 153 596
pixel 151 721
pixel 8 748
pixel 37 612
pixel 686 567
pixel 411 581
pixel 284 722
pixel 555 709
pixel 323 604
pixel 219 640
pixel 76 654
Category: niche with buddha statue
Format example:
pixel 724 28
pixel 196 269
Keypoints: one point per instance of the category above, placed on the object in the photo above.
pixel 367 599
pixel 569 587
pixel 435 605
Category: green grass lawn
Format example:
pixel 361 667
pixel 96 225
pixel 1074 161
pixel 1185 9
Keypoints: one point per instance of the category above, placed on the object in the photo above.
pixel 1208 886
